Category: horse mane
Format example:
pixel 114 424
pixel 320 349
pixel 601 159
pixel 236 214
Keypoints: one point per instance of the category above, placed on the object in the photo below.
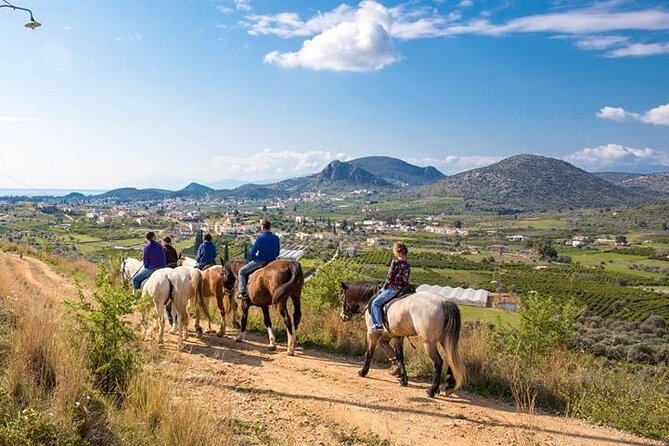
pixel 361 292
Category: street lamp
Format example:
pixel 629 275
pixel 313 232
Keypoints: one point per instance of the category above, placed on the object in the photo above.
pixel 32 24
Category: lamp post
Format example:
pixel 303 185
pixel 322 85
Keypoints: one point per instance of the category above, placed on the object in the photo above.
pixel 32 24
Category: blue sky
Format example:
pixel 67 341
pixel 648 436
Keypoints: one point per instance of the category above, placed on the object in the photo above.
pixel 158 94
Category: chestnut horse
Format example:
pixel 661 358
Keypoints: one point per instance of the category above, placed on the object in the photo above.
pixel 272 285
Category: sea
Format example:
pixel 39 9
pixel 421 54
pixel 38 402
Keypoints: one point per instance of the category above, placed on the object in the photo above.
pixel 47 192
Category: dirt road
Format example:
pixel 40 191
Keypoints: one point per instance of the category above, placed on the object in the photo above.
pixel 315 398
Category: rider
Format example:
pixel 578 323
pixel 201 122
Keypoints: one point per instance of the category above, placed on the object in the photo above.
pixel 171 256
pixel 265 249
pixel 398 278
pixel 206 253
pixel 153 258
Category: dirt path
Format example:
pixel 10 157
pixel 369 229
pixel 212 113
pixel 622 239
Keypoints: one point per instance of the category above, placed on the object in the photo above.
pixel 315 398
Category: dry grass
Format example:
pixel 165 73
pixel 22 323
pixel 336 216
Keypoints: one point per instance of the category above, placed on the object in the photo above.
pixel 151 412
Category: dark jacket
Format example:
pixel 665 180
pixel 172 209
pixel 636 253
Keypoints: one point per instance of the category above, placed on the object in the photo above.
pixel 266 248
pixel 171 256
pixel 206 254
pixel 153 255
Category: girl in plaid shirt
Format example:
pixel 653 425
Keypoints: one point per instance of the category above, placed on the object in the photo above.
pixel 398 278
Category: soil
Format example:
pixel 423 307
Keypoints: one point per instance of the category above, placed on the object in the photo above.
pixel 317 398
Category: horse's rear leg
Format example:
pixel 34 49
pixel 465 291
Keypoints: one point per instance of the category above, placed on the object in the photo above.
pixel 400 369
pixel 297 310
pixel 283 311
pixel 268 325
pixel 434 355
pixel 221 310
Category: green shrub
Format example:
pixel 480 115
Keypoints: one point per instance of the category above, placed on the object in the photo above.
pixel 31 428
pixel 112 358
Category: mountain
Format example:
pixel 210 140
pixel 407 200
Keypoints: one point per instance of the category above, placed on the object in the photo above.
pixel 398 172
pixel 533 183
pixel 656 182
pixel 344 172
pixel 616 177
pixel 193 190
pixel 134 194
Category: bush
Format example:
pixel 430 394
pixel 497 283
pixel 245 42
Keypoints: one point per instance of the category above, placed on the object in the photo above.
pixel 112 358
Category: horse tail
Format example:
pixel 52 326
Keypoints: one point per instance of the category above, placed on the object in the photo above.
pixel 283 292
pixel 450 342
pixel 170 293
pixel 199 297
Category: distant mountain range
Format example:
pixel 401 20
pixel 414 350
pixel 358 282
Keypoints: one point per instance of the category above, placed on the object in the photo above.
pixel 517 183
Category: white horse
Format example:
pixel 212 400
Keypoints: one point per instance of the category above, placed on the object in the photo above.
pixel 129 267
pixel 431 317
pixel 176 286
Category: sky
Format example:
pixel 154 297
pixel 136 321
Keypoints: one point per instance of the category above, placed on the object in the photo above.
pixel 161 93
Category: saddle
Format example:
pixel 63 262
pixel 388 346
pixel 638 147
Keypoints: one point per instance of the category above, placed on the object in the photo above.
pixel 401 294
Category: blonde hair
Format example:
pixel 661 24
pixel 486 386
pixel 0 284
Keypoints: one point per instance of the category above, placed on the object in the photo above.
pixel 401 248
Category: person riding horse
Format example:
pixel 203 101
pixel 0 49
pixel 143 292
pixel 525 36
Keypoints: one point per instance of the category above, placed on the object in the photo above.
pixel 153 259
pixel 398 278
pixel 171 256
pixel 265 249
pixel 206 253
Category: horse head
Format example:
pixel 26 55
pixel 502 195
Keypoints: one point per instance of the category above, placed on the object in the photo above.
pixel 355 297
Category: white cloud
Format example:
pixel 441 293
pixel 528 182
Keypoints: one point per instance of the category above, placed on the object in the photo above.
pixel 271 164
pixel 617 155
pixel 361 39
pixel 657 116
pixel 360 44
pixel 451 164
pixel 640 50
pixel 17 119
pixel 242 5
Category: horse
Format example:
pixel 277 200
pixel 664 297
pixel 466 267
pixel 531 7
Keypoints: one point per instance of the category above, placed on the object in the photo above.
pixel 212 286
pixel 129 267
pixel 176 286
pixel 434 319
pixel 273 284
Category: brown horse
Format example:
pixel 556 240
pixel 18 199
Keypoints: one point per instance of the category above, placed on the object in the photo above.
pixel 212 285
pixel 272 285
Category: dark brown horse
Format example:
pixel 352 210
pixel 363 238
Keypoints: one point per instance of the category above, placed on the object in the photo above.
pixel 274 284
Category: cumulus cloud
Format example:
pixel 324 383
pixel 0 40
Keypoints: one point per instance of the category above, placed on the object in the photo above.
pixel 608 155
pixel 362 38
pixel 451 164
pixel 272 164
pixel 362 43
pixel 657 116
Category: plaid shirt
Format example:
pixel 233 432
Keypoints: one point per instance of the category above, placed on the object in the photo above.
pixel 398 275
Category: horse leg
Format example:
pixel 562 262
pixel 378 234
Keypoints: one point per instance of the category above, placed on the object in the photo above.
pixel 245 319
pixel 393 356
pixel 297 310
pixel 449 385
pixel 209 329
pixel 434 355
pixel 400 370
pixel 283 311
pixel 372 340
pixel 182 321
pixel 268 325
pixel 161 323
pixel 198 327
pixel 221 310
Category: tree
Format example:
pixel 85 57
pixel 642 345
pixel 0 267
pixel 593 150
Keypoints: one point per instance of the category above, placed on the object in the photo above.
pixel 621 240
pixel 458 224
pixel 546 250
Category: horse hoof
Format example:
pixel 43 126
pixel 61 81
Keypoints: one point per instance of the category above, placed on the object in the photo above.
pixel 404 382
pixel 448 391
pixel 220 335
pixel 272 346
pixel 432 392
pixel 290 353
pixel 362 373
pixel 238 339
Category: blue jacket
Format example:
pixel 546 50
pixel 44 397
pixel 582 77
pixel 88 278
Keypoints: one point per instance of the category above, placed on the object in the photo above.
pixel 206 254
pixel 266 248
pixel 153 255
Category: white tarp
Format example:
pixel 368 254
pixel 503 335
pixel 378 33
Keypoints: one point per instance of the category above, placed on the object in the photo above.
pixel 463 296
pixel 294 254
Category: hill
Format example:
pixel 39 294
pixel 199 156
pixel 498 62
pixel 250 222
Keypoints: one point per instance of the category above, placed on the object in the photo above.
pixel 533 183
pixel 656 182
pixel 616 177
pixel 398 172
pixel 134 194
pixel 349 173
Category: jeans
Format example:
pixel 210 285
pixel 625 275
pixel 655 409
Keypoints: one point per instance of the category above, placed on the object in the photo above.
pixel 244 273
pixel 377 306
pixel 143 274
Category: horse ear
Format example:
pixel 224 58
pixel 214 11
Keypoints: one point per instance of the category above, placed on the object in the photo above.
pixel 344 286
pixel 222 261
